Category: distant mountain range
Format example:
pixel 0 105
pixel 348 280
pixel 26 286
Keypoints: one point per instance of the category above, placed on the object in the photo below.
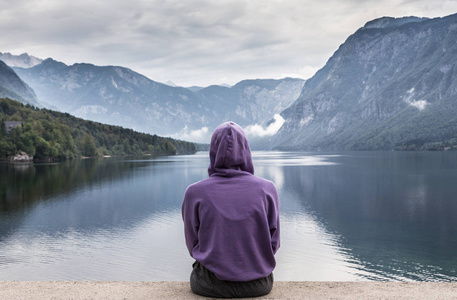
pixel 390 85
pixel 11 86
pixel 24 60
pixel 120 96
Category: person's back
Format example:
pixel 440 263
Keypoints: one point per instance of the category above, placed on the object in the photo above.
pixel 231 222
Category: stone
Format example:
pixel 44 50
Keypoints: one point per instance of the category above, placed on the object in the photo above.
pixel 20 158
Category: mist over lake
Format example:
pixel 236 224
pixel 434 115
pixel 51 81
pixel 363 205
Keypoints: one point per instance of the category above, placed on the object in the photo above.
pixel 344 216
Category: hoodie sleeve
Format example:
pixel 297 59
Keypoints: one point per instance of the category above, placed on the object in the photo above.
pixel 273 218
pixel 191 219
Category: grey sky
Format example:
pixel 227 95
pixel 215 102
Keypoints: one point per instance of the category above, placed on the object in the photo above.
pixel 197 42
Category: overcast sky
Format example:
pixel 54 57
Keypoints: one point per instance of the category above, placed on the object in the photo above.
pixel 197 42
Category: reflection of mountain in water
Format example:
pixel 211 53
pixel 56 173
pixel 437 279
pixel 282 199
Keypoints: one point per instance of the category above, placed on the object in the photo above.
pixel 83 194
pixel 394 212
pixel 391 215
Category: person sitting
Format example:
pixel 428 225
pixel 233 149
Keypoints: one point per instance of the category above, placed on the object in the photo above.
pixel 231 222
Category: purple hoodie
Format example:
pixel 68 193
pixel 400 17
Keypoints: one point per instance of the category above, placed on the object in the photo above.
pixel 231 219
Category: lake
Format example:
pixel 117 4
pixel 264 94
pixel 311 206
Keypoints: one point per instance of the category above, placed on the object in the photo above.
pixel 344 216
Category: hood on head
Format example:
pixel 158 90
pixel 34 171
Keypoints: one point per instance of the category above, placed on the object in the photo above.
pixel 229 151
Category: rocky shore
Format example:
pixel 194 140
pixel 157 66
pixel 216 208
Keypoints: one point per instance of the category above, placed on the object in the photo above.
pixel 20 158
pixel 180 290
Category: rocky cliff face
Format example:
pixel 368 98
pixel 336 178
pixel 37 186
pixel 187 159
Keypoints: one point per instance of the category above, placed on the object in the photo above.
pixel 119 96
pixel 11 86
pixel 252 101
pixel 20 158
pixel 390 85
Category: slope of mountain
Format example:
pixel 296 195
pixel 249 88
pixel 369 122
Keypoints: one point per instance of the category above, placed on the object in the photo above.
pixel 23 61
pixel 253 101
pixel 11 86
pixel 112 95
pixel 119 96
pixel 194 88
pixel 390 85
pixel 50 135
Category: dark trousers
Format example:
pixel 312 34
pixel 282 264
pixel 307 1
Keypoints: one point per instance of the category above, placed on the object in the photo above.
pixel 203 282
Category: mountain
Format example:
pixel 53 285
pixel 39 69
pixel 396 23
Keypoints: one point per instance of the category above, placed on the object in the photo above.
pixel 49 135
pixel 24 60
pixel 253 101
pixel 11 86
pixel 120 96
pixel 391 85
pixel 194 88
pixel 112 95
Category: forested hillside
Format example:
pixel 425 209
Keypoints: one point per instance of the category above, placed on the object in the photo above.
pixel 51 135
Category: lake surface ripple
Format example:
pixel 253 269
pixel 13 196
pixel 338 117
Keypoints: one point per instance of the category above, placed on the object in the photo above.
pixel 344 216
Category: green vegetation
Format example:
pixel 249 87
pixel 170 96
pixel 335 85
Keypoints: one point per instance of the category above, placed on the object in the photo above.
pixel 450 145
pixel 202 147
pixel 50 135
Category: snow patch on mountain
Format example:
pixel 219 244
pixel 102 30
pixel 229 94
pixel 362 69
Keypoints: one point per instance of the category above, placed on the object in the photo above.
pixel 114 82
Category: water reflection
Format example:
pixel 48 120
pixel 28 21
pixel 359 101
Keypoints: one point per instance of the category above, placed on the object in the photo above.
pixel 308 251
pixel 103 220
pixel 90 193
pixel 151 250
pixel 271 158
pixel 394 213
pixel 347 216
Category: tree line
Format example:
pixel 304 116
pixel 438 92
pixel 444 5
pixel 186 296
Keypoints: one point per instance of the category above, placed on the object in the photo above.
pixel 50 135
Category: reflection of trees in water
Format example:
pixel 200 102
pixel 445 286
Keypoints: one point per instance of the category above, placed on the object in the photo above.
pixel 23 187
pixel 394 212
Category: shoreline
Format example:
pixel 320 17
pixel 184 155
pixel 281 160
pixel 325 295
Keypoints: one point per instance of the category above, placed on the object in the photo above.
pixel 181 290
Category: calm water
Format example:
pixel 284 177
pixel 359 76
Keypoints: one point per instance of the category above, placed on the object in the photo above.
pixel 344 216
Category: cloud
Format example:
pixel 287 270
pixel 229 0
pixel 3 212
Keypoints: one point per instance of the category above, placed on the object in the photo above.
pixel 257 130
pixel 196 42
pixel 197 136
pixel 419 104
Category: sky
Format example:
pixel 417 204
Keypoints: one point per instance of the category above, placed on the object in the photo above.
pixel 197 42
